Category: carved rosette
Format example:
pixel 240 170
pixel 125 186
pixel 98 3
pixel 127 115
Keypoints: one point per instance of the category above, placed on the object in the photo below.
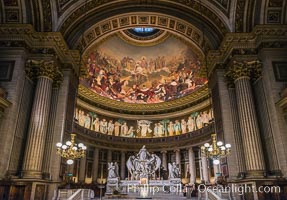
pixel 43 68
pixel 239 69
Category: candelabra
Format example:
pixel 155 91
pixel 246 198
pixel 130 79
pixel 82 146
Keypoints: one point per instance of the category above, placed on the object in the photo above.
pixel 215 150
pixel 70 150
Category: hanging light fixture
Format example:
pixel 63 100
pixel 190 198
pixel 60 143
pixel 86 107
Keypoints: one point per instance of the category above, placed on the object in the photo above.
pixel 70 150
pixel 215 150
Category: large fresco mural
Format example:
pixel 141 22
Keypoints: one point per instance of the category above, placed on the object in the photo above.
pixel 136 74
pixel 143 128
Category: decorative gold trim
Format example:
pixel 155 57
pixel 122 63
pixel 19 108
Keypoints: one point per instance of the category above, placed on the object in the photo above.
pixel 4 103
pixel 169 23
pixel 117 115
pixel 177 103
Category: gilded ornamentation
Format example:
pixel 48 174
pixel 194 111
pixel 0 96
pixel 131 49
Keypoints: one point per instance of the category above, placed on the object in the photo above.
pixel 39 68
pixel 238 69
pixel 38 42
pixel 96 33
pixel 255 39
pixel 87 94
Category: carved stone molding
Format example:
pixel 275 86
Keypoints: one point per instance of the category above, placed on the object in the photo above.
pixel 23 35
pixel 253 40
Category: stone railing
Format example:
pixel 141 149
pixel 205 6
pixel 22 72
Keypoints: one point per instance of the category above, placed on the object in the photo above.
pixel 75 194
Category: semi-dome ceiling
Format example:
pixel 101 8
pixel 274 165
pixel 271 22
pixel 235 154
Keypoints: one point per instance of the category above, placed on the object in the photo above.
pixel 131 73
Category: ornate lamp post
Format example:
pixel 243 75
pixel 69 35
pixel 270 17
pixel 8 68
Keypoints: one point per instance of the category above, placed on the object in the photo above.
pixel 215 150
pixel 70 150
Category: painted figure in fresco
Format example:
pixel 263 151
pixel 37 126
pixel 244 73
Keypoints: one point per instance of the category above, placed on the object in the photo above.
pixel 108 74
pixel 96 124
pixel 131 132
pixel 117 128
pixel 205 118
pixel 77 114
pixel 81 118
pixel 144 127
pixel 199 121
pixel 87 123
pixel 183 126
pixel 104 126
pixel 190 124
pixel 111 127
pixel 160 130
pixel 170 128
pixel 124 129
pixel 177 127
pixel 155 130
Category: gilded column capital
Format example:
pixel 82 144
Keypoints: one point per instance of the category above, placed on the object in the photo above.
pixel 251 69
pixel 36 68
pixel 58 79
pixel 256 69
pixel 237 70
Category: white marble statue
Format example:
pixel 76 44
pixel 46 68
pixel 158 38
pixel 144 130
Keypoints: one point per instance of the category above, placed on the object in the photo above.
pixel 174 171
pixel 113 170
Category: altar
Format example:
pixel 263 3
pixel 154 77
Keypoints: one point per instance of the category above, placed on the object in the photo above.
pixel 142 181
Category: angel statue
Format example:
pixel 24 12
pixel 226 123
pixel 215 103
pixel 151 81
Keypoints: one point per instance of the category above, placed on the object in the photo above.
pixel 113 169
pixel 174 171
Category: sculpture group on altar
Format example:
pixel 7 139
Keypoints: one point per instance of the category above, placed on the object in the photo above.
pixel 143 165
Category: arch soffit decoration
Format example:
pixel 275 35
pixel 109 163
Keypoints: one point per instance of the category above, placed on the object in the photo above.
pixel 92 13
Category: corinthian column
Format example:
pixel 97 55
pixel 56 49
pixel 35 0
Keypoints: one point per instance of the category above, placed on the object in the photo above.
pixel 236 128
pixel 205 173
pixel 241 73
pixel 109 156
pixel 95 165
pixel 164 160
pixel 123 165
pixel 192 168
pixel 177 158
pixel 45 71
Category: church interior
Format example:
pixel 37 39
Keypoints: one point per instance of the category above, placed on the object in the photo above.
pixel 99 98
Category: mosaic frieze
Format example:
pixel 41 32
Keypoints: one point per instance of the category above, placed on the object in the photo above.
pixel 143 128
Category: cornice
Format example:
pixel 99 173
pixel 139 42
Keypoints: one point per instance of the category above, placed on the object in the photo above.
pixel 119 106
pixel 117 115
pixel 17 35
pixel 253 40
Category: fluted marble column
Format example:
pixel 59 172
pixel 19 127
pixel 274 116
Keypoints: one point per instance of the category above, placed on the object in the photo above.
pixel 241 74
pixel 192 168
pixel 109 156
pixel 49 138
pixel 96 165
pixel 236 128
pixel 164 160
pixel 32 167
pixel 82 174
pixel 205 173
pixel 177 158
pixel 216 170
pixel 123 165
